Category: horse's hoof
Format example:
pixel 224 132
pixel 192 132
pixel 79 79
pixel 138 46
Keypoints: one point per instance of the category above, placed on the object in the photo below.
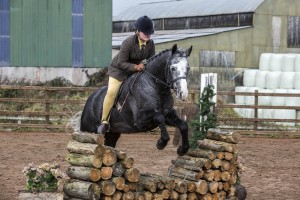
pixel 160 144
pixel 181 151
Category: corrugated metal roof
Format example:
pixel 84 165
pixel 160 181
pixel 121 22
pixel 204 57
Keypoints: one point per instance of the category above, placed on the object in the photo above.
pixel 174 35
pixel 187 8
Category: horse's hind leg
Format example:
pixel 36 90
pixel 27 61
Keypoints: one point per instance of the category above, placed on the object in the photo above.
pixel 111 139
pixel 173 120
pixel 164 139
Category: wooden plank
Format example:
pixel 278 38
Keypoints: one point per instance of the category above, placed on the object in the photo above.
pixel 67 114
pixel 57 101
pixel 14 125
pixel 16 87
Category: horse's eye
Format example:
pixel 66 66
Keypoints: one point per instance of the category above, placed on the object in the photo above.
pixel 173 68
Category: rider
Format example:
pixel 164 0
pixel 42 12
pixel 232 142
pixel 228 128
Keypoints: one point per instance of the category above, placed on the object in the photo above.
pixel 133 51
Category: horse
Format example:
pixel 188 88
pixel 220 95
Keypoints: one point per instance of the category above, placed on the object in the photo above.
pixel 145 101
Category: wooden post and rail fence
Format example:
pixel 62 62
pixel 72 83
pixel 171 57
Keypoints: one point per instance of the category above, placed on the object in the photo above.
pixel 51 116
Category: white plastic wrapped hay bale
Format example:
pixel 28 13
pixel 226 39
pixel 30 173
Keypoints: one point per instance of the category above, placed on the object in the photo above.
pixel 292 101
pixel 288 63
pixel 272 80
pixel 284 114
pixel 249 77
pixel 286 80
pixel 244 112
pixel 260 79
pixel 240 99
pixel 276 62
pixel 297 63
pixel 297 81
pixel 298 116
pixel 278 100
pixel 249 100
pixel 265 100
pixel 264 61
pixel 267 113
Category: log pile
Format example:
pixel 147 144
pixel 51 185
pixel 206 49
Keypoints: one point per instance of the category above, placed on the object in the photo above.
pixel 97 172
pixel 212 167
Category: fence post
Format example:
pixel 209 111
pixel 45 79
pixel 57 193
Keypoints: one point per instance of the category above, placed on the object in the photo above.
pixel 256 110
pixel 47 117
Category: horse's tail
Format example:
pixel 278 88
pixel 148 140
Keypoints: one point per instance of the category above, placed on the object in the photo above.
pixel 74 122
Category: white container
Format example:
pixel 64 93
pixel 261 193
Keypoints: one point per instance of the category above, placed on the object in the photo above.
pixel 276 62
pixel 285 114
pixel 265 100
pixel 292 101
pixel 297 81
pixel 240 99
pixel 264 61
pixel 288 63
pixel 297 63
pixel 260 79
pixel 286 80
pixel 272 80
pixel 277 100
pixel 249 100
pixel 249 77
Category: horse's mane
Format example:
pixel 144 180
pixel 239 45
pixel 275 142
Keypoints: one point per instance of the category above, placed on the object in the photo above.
pixel 158 55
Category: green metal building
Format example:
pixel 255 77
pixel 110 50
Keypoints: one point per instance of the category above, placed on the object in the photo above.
pixel 55 33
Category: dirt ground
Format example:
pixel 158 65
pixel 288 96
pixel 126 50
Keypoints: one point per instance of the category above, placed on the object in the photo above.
pixel 272 165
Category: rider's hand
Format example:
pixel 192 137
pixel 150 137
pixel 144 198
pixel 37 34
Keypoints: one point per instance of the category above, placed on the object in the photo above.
pixel 139 67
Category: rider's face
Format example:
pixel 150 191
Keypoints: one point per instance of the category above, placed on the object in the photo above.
pixel 144 37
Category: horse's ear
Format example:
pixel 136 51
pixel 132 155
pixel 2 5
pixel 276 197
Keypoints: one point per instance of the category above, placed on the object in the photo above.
pixel 174 48
pixel 188 51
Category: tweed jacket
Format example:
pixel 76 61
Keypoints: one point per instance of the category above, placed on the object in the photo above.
pixel 122 65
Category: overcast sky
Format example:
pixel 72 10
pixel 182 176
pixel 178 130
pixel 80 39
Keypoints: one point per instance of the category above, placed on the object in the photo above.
pixel 121 5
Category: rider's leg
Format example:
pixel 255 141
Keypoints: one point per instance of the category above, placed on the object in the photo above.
pixel 109 99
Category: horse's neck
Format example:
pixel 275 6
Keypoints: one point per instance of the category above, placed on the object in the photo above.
pixel 158 66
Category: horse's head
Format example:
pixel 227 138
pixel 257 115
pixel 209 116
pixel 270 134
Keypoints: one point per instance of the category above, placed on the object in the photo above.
pixel 178 68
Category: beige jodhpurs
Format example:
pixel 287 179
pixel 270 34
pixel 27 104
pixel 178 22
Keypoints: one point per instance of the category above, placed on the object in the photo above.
pixel 109 99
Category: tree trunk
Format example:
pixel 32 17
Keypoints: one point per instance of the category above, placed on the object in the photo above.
pixel 83 173
pixel 193 165
pixel 223 135
pixel 127 162
pixel 117 195
pixel 82 189
pixel 206 162
pixel 164 193
pixel 213 187
pixel 192 196
pixel 174 195
pixel 184 173
pixel 85 137
pixel 81 148
pixel 147 183
pixel 128 196
pixel 228 156
pixel 106 173
pixel 107 187
pixel 216 164
pixel 109 157
pixel 217 175
pixel 169 183
pixel 201 153
pixel 201 187
pixel 209 175
pixel 225 176
pixel 118 169
pixel 132 175
pixel 119 182
pixel 225 165
pixel 139 196
pixel 148 195
pixel 217 145
pixel 181 186
pixel 84 160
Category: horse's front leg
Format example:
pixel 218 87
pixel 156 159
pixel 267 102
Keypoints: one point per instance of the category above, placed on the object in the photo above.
pixel 164 139
pixel 172 119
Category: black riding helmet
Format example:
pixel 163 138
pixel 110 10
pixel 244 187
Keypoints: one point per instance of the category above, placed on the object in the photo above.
pixel 144 24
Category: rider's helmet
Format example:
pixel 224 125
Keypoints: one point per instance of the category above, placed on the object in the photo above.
pixel 144 24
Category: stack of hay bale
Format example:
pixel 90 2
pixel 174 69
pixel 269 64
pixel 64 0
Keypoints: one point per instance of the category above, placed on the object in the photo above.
pixel 101 172
pixel 213 166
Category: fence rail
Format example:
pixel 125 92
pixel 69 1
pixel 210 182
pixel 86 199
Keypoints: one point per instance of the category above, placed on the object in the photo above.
pixel 255 120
